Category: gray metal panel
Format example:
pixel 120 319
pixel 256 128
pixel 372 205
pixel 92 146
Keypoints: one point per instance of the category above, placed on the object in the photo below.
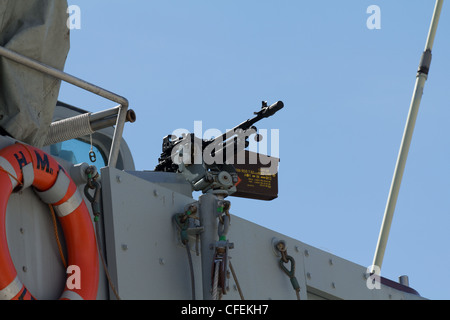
pixel 148 262
pixel 332 277
pixel 169 180
pixel 319 273
pixel 144 257
pixel 257 265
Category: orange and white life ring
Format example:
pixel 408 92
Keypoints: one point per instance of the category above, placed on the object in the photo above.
pixel 23 166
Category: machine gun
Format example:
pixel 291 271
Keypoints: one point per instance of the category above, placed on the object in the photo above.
pixel 208 164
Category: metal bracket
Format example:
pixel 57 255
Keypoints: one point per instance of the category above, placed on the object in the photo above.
pixel 275 249
pixel 188 226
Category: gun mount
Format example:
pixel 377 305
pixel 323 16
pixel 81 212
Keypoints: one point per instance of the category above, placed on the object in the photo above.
pixel 209 164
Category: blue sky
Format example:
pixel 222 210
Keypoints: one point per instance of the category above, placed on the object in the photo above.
pixel 346 89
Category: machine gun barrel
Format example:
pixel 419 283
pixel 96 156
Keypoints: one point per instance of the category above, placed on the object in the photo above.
pixel 265 112
pixel 223 147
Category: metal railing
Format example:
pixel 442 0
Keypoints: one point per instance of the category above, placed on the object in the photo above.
pixel 120 113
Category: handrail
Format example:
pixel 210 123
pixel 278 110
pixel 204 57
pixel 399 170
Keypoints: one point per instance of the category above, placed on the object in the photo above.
pixel 58 74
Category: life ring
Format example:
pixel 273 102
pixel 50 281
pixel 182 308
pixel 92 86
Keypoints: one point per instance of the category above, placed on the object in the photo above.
pixel 22 166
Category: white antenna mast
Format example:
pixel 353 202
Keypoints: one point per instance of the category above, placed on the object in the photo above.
pixel 422 75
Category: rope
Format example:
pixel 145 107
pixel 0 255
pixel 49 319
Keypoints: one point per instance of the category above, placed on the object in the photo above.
pixel 55 230
pixel 97 235
pixel 236 281
pixel 96 210
pixel 215 292
pixel 18 181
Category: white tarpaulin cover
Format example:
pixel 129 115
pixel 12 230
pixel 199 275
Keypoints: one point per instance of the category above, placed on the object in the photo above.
pixel 36 29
